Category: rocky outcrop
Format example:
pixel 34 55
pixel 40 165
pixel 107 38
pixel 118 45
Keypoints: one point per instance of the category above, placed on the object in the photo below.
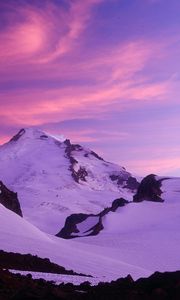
pixel 149 189
pixel 28 262
pixel 96 155
pixel 132 183
pixel 16 137
pixel 81 173
pixel 118 178
pixel 9 199
pixel 78 225
pixel 127 181
pixel 71 225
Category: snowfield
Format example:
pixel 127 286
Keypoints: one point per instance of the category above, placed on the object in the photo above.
pixel 138 239
pixel 58 279
pixel 80 257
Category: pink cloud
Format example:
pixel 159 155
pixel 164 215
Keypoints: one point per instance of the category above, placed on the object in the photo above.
pixel 20 41
pixel 76 22
pixel 61 104
pixel 159 166
pixel 43 34
pixel 120 88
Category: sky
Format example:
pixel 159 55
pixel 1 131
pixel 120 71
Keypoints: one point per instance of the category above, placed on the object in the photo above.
pixel 103 73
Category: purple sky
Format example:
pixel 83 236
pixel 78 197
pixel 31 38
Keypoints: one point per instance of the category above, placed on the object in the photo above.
pixel 104 73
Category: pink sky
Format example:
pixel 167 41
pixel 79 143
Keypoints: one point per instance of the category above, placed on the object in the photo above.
pixel 104 73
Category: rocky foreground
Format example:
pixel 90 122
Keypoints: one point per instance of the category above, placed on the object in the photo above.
pixel 160 286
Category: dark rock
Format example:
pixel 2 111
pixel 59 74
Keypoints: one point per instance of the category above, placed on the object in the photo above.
pixel 43 136
pixel 70 229
pixel 120 202
pixel 81 174
pixel 149 189
pixel 120 180
pixel 9 199
pixel 18 135
pixel 72 147
pixel 71 225
pixel 72 160
pixel 28 262
pixel 132 183
pixel 96 155
pixel 126 181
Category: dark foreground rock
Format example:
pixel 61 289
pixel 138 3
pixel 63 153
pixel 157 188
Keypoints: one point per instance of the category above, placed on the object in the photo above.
pixel 70 229
pixel 149 189
pixel 28 262
pixel 159 286
pixel 9 199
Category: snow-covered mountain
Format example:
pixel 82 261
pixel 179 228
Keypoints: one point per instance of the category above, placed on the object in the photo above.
pixel 54 178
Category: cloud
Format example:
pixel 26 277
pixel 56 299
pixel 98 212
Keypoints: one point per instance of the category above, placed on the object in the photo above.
pixel 113 82
pixel 43 34
pixel 76 22
pixel 159 166
pixel 21 40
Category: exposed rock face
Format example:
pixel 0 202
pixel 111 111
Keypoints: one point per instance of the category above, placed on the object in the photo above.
pixel 120 202
pixel 9 199
pixel 71 225
pixel 132 183
pixel 18 135
pixel 78 225
pixel 96 155
pixel 28 262
pixel 149 189
pixel 117 178
pixel 81 173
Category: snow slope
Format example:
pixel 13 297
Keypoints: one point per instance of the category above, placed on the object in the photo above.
pixel 17 235
pixel 138 239
pixel 54 178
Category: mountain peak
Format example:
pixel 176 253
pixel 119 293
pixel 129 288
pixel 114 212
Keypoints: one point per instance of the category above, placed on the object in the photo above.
pixel 34 133
pixel 29 132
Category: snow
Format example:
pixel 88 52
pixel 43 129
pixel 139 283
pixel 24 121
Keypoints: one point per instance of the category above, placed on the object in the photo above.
pixel 58 278
pixel 171 190
pixel 89 223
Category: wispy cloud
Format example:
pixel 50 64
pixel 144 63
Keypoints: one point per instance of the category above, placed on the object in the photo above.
pixel 114 82
pixel 43 34
pixel 163 166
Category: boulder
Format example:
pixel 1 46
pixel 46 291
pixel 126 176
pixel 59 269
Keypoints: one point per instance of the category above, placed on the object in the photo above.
pixel 149 189
pixel 9 199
